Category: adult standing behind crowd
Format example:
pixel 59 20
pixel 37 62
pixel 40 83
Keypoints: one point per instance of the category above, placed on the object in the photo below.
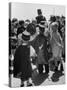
pixel 40 17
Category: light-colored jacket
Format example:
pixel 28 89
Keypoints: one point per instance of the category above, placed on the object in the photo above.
pixel 56 44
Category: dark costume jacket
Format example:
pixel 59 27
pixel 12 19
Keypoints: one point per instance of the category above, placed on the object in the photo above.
pixel 42 54
pixel 40 18
pixel 22 65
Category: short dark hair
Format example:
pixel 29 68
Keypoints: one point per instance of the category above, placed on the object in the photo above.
pixel 31 28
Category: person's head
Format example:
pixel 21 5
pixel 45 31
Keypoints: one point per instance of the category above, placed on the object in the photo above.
pixel 31 28
pixel 39 11
pixel 26 23
pixel 57 18
pixel 14 20
pixel 21 22
pixel 52 18
pixel 54 26
pixel 34 22
pixel 20 30
pixel 25 36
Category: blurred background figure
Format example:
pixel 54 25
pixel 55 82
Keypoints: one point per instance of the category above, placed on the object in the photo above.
pixel 40 17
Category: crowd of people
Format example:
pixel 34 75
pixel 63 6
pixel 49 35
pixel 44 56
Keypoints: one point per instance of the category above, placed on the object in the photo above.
pixel 47 38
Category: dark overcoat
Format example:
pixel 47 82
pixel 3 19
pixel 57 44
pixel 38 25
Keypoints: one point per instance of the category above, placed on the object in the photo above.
pixel 22 64
pixel 42 54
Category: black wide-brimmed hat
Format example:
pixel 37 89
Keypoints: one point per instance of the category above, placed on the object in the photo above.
pixel 25 36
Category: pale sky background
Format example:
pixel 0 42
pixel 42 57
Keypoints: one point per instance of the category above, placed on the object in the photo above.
pixel 29 11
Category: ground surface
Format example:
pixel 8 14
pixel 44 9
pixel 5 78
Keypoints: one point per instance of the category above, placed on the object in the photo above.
pixel 42 79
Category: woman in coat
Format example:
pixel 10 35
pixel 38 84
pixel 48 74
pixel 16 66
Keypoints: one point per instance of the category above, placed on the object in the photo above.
pixel 22 64
pixel 56 45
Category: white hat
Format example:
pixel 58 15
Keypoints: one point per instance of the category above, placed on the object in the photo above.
pixel 54 23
